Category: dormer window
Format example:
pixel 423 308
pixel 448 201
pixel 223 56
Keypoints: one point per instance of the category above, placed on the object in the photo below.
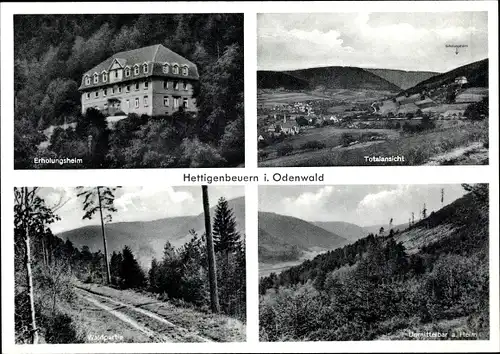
pixel 185 71
pixel 87 80
pixel 127 72
pixel 104 76
pixel 166 68
pixel 145 68
pixel 136 69
pixel 96 78
pixel 175 69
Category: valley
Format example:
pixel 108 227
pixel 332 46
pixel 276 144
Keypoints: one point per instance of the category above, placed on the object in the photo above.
pixel 346 114
pixel 430 275
pixel 174 230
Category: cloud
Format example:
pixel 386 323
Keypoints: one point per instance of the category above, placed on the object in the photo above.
pixel 411 41
pixel 383 199
pixel 310 198
pixel 151 199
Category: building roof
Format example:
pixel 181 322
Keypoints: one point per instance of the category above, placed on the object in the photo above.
pixel 154 55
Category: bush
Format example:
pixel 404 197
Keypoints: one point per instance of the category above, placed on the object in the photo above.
pixel 198 154
pixel 314 145
pixel 346 139
pixel 285 150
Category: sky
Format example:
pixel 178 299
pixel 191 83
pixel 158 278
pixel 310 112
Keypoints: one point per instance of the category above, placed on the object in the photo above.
pixel 363 205
pixel 137 203
pixel 398 40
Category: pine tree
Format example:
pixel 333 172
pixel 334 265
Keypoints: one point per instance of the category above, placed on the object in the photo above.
pixel 131 272
pixel 226 237
pixel 115 266
pixel 99 199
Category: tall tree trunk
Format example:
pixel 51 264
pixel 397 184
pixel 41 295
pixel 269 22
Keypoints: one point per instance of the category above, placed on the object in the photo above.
pixel 29 276
pixel 212 271
pixel 108 274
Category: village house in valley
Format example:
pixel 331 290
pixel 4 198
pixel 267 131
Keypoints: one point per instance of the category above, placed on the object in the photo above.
pixel 150 80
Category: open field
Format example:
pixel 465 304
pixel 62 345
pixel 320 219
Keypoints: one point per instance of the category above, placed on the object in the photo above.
pixel 328 135
pixel 416 149
pixel 275 98
pixel 347 97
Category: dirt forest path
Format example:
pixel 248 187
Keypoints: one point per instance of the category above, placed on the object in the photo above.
pixel 155 327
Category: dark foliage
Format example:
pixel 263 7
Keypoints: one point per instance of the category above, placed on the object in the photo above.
pixel 53 51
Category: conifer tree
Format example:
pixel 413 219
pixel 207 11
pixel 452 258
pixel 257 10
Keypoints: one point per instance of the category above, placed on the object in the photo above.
pixel 130 271
pixel 226 237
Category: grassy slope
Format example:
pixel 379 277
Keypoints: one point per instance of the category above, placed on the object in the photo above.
pixel 417 149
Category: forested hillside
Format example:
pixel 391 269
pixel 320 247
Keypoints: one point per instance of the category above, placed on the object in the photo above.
pixel 329 77
pixel 476 74
pixel 376 288
pixel 153 234
pixel 53 51
pixel 401 78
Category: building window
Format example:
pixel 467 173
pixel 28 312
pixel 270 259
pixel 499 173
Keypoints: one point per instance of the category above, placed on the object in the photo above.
pixel 186 86
pixel 136 85
pixel 96 94
pixel 128 104
pixel 137 102
pixel 104 77
pixel 119 89
pixel 104 92
pixel 87 80
pixel 176 85
pixel 146 99
pixel 127 89
pixel 145 68
pixel 165 84
pixel 136 69
pixel 166 68
pixel 127 72
pixel 88 95
pixel 166 101
pixel 113 90
pixel 185 70
pixel 185 102
pixel 96 78
pixel 116 74
pixel 175 69
pixel 146 85
pixel 176 102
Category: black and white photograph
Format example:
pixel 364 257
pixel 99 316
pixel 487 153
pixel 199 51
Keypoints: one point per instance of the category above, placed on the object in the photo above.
pixel 372 89
pixel 111 264
pixel 374 262
pixel 128 91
